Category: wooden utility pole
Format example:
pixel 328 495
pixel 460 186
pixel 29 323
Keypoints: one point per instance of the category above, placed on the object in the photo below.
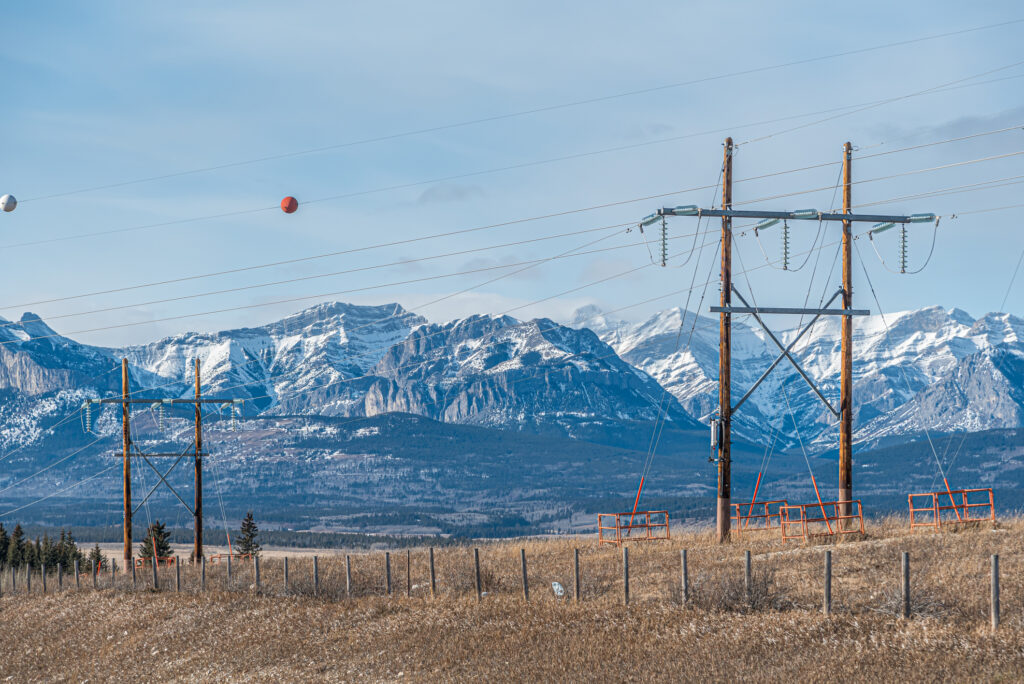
pixel 197 550
pixel 846 353
pixel 126 443
pixel 725 355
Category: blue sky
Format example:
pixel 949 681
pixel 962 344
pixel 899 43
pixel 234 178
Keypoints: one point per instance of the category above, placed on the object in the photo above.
pixel 102 93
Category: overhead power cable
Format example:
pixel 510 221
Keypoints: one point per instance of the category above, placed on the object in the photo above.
pixel 59 491
pixel 885 102
pixel 535 110
pixel 534 218
pixel 389 188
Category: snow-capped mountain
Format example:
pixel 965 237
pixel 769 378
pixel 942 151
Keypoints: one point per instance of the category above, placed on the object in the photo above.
pixel 931 369
pixel 347 360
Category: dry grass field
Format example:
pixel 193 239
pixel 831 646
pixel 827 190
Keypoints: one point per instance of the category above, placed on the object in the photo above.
pixel 238 632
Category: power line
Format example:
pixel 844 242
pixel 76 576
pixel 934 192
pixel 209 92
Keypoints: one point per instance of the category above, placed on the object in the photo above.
pixel 59 491
pixel 536 110
pixel 952 190
pixel 489 226
pixel 888 101
pixel 1002 305
pixel 358 193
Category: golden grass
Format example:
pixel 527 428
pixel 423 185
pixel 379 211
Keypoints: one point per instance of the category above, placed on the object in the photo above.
pixel 779 634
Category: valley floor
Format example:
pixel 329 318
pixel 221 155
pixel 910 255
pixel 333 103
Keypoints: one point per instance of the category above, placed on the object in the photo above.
pixel 777 633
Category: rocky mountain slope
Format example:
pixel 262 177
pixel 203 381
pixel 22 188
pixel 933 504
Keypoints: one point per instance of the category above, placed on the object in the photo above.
pixel 931 368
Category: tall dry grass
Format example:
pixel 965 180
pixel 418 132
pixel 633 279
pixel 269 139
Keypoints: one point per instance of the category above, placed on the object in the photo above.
pixel 775 631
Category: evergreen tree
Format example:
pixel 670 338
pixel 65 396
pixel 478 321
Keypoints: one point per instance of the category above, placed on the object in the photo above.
pixel 96 558
pixel 4 538
pixel 16 547
pixel 156 534
pixel 48 552
pixel 247 543
pixel 68 552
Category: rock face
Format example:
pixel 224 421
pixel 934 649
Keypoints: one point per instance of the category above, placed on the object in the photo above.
pixel 933 368
pixel 347 360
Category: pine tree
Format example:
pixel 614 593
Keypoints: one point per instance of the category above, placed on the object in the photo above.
pixel 96 558
pixel 156 534
pixel 16 547
pixel 247 543
pixel 69 551
pixel 4 538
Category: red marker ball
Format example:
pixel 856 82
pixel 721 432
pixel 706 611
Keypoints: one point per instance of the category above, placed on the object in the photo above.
pixel 289 205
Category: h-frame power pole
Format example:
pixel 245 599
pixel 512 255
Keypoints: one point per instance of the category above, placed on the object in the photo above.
pixel 722 428
pixel 129 449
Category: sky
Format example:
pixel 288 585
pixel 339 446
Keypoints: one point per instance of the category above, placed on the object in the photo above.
pixel 97 96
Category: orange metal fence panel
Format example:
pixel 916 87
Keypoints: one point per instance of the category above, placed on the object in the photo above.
pixel 218 557
pixel 934 509
pixel 757 516
pixel 616 528
pixel 804 521
pixel 166 561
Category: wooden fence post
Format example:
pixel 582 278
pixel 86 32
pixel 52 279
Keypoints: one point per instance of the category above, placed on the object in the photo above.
pixel 28 579
pixel 826 606
pixel 177 574
pixel 43 573
pixel 905 609
pixel 387 573
pixel 746 576
pixel 286 574
pixel 316 576
pixel 576 574
pixel 433 577
pixel 995 592
pixel 476 564
pixel 95 573
pixel 202 573
pixel 156 572
pixel 348 575
pixel 408 573
pixel 60 577
pixel 685 577
pixel 14 580
pixel 256 570
pixel 526 583
pixel 133 575
pixel 113 571
pixel 625 574
pixel 78 581
pixel 229 568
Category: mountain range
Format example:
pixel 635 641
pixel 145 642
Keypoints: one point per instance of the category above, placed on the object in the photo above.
pixel 354 416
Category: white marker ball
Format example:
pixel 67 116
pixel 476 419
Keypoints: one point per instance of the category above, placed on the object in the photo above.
pixel 8 203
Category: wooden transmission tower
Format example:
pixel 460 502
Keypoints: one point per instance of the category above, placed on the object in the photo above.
pixel 844 414
pixel 129 449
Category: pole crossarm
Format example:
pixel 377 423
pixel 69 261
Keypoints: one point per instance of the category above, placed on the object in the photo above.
pixel 789 310
pixel 785 353
pixel 168 454
pixel 789 348
pixel 164 401
pixel 806 215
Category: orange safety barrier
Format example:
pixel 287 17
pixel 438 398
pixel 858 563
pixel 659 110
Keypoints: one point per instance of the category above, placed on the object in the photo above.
pixel 218 557
pixel 166 561
pixel 803 521
pixel 616 528
pixel 932 513
pixel 767 517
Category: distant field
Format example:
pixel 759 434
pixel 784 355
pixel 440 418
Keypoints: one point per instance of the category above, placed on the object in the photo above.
pixel 234 632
